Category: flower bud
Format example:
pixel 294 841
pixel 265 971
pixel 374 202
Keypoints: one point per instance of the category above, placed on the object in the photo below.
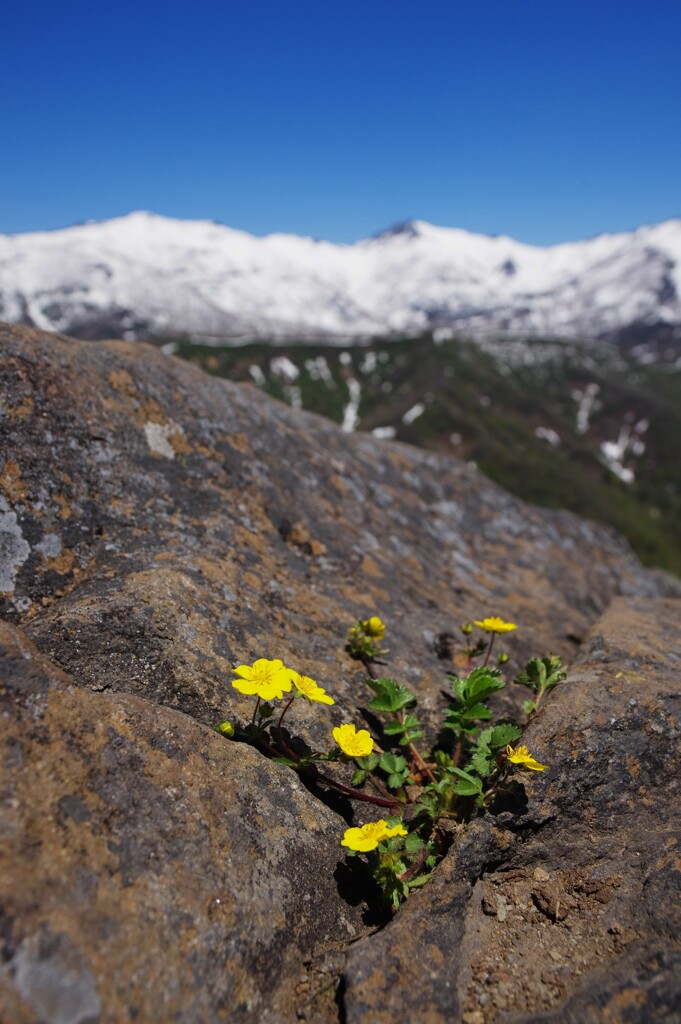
pixel 374 627
pixel 467 628
pixel 503 658
pixel 226 729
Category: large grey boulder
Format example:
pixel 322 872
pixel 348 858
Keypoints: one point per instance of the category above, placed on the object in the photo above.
pixel 158 527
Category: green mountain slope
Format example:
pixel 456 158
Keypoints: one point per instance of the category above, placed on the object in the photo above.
pixel 594 430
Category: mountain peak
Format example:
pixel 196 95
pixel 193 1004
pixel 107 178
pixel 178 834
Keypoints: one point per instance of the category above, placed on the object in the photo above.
pixel 144 274
pixel 413 228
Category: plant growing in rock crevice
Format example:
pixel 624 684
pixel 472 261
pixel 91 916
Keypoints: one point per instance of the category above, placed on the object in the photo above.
pixel 417 789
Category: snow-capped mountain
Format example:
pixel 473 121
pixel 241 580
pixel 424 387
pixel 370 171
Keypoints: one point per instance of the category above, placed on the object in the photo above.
pixel 144 275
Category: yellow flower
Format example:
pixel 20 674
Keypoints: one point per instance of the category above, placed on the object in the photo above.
pixel 374 627
pixel 494 624
pixel 523 757
pixel 351 742
pixel 370 835
pixel 267 679
pixel 309 689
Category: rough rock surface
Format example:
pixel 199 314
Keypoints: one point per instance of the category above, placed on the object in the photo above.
pixel 567 910
pixel 148 869
pixel 158 527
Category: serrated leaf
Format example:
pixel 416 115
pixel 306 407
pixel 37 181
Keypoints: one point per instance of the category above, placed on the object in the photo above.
pixel 482 682
pixel 392 762
pixel 529 706
pixel 464 788
pixel 459 687
pixel 395 781
pixel 413 843
pixel 484 738
pixel 390 696
pixel 409 738
pixel 393 728
pixel 428 803
pixel 358 778
pixel 479 711
pixel 482 762
pixel 415 883
pixel 541 673
pixel 505 732
pixel 368 762
pixel 466 777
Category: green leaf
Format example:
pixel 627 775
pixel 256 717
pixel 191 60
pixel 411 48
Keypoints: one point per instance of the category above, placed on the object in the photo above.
pixel 393 728
pixel 480 711
pixel 410 737
pixel 368 762
pixel 395 781
pixel 529 706
pixel 482 761
pixel 413 843
pixel 505 732
pixel 392 762
pixel 466 777
pixel 458 686
pixel 415 883
pixel 482 682
pixel 464 788
pixel 542 674
pixel 390 696
pixel 427 803
pixel 358 778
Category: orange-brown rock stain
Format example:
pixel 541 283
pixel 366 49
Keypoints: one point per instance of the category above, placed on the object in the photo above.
pixel 23 410
pixel 12 484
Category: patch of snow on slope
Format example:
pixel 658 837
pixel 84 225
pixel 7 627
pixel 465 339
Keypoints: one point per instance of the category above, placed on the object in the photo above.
pixel 547 434
pixel 351 410
pixel 281 366
pixel 629 441
pixel 587 404
pixel 414 413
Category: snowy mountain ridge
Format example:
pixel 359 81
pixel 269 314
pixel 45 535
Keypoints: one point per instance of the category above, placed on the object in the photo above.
pixel 143 275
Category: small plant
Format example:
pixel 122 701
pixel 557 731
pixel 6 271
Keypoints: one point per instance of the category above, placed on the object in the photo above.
pixel 458 779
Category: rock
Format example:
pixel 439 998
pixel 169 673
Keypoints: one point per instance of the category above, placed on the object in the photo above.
pixel 150 870
pixel 604 820
pixel 158 527
pixel 163 526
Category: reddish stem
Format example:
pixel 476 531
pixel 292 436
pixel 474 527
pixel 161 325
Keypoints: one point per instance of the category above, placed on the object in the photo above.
pixel 418 863
pixel 350 791
pixel 281 719
pixel 489 650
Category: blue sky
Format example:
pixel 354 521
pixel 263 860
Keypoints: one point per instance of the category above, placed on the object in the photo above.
pixel 546 121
